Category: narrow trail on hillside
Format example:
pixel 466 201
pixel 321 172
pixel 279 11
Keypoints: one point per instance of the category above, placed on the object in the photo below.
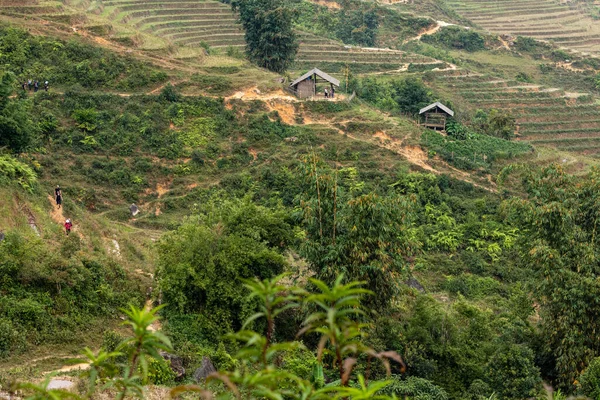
pixel 426 32
pixel 414 154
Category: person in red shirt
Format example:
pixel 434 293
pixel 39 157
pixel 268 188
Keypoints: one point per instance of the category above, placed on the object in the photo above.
pixel 68 226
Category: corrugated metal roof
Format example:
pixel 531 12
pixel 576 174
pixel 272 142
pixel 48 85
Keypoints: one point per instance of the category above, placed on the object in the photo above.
pixel 318 72
pixel 437 104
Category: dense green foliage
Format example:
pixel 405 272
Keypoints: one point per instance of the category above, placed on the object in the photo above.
pixel 348 230
pixel 17 130
pixel 268 30
pixel 461 293
pixel 498 123
pixel 71 63
pixel 50 292
pixel 204 263
pixel 560 217
pixel 406 96
pixel 469 150
pixel 457 38
pixel 589 381
pixel 13 171
pixel 358 23
pixel 358 26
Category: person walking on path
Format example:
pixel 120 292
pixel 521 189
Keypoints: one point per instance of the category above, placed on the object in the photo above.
pixel 58 196
pixel 332 91
pixel 46 86
pixel 30 84
pixel 326 93
pixel 24 85
pixel 36 86
pixel 68 226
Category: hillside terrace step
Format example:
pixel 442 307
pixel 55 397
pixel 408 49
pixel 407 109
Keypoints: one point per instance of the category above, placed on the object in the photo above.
pixel 182 18
pixel 370 57
pixel 595 39
pixel 506 13
pixel 218 43
pixel 199 32
pixel 513 95
pixel 171 12
pixel 31 10
pixel 197 23
pixel 186 24
pixel 111 3
pixel 510 10
pixel 212 38
pixel 167 6
pixel 548 33
pixel 482 19
pixel 561 126
pixel 502 4
pixel 583 137
pixel 528 24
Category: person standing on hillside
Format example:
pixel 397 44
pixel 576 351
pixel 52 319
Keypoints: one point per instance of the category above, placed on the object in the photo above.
pixel 30 84
pixel 46 86
pixel 36 86
pixel 332 92
pixel 68 226
pixel 326 93
pixel 58 196
pixel 24 86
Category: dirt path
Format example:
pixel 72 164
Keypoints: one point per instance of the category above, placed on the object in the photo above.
pixel 56 213
pixel 415 155
pixel 426 32
pixel 504 43
pixel 254 93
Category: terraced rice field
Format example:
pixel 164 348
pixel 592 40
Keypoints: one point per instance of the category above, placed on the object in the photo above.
pixel 545 116
pixel 30 7
pixel 567 24
pixel 194 23
pixel 188 23
pixel 333 57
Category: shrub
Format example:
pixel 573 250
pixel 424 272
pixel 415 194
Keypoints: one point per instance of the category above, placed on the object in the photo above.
pixel 589 381
pixel 416 388
pixel 458 38
pixel 12 170
pixel 10 338
pixel 511 372
pixel 160 372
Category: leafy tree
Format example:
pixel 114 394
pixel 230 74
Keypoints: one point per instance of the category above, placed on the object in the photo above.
pixel 17 131
pixel 415 388
pixel 201 268
pixel 340 340
pixel 410 95
pixel 496 123
pixel 457 38
pixel 362 235
pixel 560 245
pixel 589 381
pixel 358 26
pixel 270 38
pixel 512 373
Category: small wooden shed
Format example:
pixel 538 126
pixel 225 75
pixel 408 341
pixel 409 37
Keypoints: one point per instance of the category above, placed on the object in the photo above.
pixel 436 115
pixel 306 85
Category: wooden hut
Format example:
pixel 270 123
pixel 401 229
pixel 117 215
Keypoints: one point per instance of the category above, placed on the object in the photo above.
pixel 306 86
pixel 436 115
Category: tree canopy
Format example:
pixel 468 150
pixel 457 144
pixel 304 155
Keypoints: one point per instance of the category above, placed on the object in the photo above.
pixel 270 37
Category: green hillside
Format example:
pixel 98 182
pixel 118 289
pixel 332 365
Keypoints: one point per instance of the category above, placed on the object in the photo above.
pixel 304 248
